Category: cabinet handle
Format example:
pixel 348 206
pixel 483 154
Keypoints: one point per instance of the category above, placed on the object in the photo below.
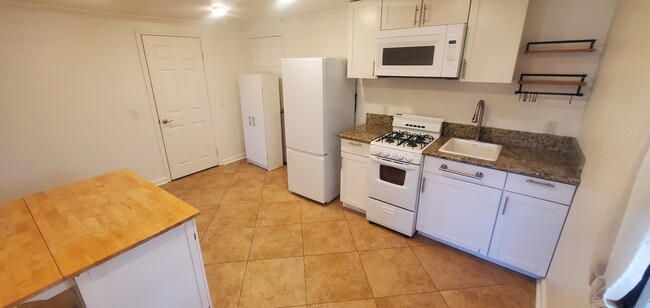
pixel 424 181
pixel 505 205
pixel 424 15
pixel 477 176
pixel 547 184
pixel 249 121
pixel 415 18
pixel 354 143
pixel 253 121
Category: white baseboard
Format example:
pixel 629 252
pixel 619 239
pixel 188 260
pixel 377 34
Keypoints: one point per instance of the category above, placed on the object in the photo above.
pixel 232 159
pixel 160 181
pixel 540 294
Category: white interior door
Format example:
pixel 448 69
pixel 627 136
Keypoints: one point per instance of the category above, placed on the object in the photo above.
pixel 178 79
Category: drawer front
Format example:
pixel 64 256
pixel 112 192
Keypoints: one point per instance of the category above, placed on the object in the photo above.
pixel 391 217
pixel 355 147
pixel 543 189
pixel 465 172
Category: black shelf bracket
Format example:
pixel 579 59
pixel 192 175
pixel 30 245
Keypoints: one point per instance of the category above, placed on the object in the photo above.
pixel 531 96
pixel 591 42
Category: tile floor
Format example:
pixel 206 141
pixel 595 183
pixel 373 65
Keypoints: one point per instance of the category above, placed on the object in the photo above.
pixel 266 247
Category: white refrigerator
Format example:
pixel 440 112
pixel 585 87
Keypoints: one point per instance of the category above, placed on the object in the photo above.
pixel 318 104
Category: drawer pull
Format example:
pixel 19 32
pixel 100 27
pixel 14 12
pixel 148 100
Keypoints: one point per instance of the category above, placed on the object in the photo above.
pixel 477 176
pixel 354 143
pixel 505 205
pixel 547 184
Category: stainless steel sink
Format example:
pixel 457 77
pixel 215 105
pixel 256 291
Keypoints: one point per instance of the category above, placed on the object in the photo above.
pixel 471 148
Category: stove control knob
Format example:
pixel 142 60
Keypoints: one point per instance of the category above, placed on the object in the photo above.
pixel 399 156
pixel 373 152
pixel 386 154
pixel 408 158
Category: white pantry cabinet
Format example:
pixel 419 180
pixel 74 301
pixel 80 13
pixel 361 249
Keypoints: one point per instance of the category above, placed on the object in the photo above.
pixel 456 205
pixel 354 171
pixel 493 40
pixel 399 14
pixel 364 18
pixel 260 108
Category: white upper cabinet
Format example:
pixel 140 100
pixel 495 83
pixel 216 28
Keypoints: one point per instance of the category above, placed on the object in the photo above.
pixel 364 19
pixel 398 14
pixel 493 40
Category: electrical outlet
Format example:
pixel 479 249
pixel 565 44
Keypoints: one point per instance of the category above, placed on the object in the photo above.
pixel 134 114
pixel 549 127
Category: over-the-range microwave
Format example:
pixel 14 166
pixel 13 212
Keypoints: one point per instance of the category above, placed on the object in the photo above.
pixel 434 51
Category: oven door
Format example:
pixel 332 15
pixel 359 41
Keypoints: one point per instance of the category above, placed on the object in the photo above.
pixel 394 183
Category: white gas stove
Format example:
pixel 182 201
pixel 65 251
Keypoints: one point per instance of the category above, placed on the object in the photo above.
pixel 394 171
pixel 410 136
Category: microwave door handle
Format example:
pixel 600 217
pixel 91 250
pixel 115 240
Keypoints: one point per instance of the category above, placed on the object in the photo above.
pixel 393 164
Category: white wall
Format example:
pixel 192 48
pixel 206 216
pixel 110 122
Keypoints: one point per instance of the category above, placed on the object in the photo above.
pixel 455 101
pixel 68 82
pixel 614 136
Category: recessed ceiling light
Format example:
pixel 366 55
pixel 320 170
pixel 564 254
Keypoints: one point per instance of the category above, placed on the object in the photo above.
pixel 219 10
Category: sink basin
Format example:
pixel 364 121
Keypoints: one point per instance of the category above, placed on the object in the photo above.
pixel 471 148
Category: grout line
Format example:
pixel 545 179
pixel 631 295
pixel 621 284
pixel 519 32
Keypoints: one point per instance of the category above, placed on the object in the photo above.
pixel 304 259
pixel 423 268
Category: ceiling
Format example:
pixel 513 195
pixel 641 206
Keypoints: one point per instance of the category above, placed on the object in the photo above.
pixel 241 11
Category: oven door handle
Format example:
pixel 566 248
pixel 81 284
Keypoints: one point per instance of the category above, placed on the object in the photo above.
pixel 394 164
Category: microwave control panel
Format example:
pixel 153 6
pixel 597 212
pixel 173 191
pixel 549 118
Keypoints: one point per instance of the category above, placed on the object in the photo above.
pixel 453 51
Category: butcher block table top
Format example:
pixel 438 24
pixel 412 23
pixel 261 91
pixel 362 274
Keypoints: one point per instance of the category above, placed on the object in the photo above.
pixel 83 225
pixel 26 265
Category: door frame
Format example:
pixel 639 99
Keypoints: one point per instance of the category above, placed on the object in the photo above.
pixel 155 119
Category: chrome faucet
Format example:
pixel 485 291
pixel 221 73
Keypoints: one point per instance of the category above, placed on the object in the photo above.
pixel 478 118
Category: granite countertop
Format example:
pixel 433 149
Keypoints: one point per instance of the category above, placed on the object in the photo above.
pixel 544 156
pixel 376 126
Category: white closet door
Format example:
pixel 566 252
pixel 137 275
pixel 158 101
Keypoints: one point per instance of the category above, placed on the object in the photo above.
pixel 250 88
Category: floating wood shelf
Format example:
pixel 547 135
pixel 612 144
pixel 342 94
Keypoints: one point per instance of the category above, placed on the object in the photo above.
pixel 591 48
pixel 561 50
pixel 554 82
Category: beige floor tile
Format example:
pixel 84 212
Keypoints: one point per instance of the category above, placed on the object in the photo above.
pixel 316 212
pixel 247 179
pixel 204 218
pixel 217 180
pixel 221 246
pixel 276 242
pixel 335 277
pixel 274 283
pixel 524 293
pixel 353 215
pixel 234 216
pixel 460 270
pixel 180 187
pixel 201 234
pixel 277 182
pixel 242 194
pixel 430 300
pixel 273 193
pixel 228 168
pixel 225 281
pixel 483 297
pixel 280 172
pixel 278 213
pixel 419 240
pixel 366 303
pixel 395 272
pixel 327 237
pixel 369 236
pixel 245 167
pixel 208 197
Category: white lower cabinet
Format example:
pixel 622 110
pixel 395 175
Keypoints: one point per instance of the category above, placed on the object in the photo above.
pixel 527 231
pixel 354 164
pixel 459 202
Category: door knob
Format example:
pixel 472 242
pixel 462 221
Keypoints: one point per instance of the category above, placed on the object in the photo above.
pixel 165 121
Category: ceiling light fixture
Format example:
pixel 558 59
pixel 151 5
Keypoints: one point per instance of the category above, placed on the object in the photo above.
pixel 219 10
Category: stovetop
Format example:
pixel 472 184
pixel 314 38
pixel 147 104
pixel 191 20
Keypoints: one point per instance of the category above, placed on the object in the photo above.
pixel 400 139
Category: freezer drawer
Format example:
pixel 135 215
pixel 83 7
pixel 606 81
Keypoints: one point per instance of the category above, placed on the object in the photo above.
pixel 314 176
pixel 389 216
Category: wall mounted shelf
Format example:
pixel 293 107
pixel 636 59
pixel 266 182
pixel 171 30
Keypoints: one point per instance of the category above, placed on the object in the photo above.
pixel 551 79
pixel 591 48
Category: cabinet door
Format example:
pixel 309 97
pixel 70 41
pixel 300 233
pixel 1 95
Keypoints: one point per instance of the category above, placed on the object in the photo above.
pixel 252 107
pixel 458 212
pixel 364 19
pixel 444 12
pixel 398 14
pixel 527 231
pixel 493 40
pixel 353 180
